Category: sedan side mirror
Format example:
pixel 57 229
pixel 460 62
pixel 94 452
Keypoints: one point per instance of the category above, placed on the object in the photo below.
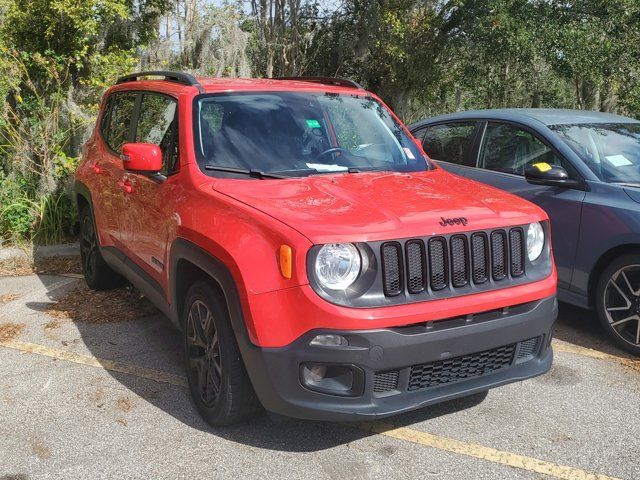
pixel 550 175
pixel 143 158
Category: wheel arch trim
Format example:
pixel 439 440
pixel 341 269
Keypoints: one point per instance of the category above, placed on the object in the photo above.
pixel 601 264
pixel 216 270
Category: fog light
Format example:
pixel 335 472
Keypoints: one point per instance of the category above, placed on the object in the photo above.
pixel 329 340
pixel 342 380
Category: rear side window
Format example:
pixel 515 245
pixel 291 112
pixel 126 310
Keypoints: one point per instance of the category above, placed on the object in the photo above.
pixel 157 124
pixel 118 117
pixel 451 142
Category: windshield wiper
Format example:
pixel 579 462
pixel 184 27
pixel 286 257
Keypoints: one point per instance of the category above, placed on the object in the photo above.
pixel 242 171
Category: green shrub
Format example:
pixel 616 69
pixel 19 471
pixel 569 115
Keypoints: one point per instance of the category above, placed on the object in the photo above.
pixel 27 217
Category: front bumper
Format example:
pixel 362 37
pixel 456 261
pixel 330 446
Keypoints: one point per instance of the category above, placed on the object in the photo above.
pixel 409 367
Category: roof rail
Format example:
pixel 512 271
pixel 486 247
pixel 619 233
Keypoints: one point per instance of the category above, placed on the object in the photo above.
pixel 338 82
pixel 177 77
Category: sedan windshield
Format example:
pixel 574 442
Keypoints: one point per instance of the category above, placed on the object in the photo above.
pixel 611 151
pixel 299 134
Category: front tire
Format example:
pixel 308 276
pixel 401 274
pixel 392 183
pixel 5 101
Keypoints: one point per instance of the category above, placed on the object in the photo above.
pixel 219 383
pixel 618 302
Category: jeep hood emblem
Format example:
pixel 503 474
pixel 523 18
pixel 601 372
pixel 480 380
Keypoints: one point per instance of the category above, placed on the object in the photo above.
pixel 453 221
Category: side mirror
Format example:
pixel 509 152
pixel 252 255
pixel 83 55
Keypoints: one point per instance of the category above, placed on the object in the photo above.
pixel 550 175
pixel 143 158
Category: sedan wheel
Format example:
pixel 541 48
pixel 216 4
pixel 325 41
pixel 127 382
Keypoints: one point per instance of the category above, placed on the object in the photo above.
pixel 618 302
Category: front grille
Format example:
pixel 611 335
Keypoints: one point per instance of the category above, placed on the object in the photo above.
pixel 459 261
pixel 499 255
pixel 415 266
pixel 480 257
pixel 391 268
pixel 438 263
pixel 516 244
pixel 385 381
pixel 456 262
pixel 460 368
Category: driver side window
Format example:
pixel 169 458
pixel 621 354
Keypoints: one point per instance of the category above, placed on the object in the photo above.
pixel 509 149
pixel 158 124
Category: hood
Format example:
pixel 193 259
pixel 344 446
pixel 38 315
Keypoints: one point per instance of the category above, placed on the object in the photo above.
pixel 381 205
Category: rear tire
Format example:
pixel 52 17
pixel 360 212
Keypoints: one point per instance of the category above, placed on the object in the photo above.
pixel 219 383
pixel 97 274
pixel 618 302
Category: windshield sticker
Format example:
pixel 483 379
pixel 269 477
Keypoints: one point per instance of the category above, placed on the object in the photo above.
pixel 409 153
pixel 312 123
pixel 321 167
pixel 619 160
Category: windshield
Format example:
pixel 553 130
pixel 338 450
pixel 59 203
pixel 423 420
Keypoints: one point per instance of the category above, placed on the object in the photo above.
pixel 298 134
pixel 611 151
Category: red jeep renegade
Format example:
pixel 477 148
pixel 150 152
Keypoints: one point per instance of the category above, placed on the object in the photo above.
pixel 316 261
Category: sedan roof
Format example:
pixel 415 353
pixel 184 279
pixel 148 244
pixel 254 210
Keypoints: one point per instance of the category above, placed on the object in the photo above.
pixel 546 116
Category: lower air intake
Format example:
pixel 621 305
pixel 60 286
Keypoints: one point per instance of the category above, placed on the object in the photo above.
pixel 386 381
pixel 460 368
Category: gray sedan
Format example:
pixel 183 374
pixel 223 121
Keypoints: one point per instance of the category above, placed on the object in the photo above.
pixel 583 168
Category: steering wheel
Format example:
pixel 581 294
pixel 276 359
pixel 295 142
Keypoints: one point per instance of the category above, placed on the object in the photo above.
pixel 331 150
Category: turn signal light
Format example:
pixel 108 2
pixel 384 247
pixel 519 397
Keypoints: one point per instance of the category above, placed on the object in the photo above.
pixel 286 261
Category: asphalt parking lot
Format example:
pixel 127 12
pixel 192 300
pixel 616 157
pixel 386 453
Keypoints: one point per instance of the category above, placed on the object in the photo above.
pixel 107 399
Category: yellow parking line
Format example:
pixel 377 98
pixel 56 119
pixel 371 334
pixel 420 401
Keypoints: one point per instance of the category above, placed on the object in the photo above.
pixel 628 362
pixel 400 433
pixel 485 453
pixel 110 365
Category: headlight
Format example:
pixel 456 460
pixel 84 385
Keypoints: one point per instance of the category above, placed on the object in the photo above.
pixel 535 241
pixel 337 265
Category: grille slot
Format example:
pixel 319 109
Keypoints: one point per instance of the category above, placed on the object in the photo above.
pixel 385 381
pixel 499 254
pixel 391 268
pixel 456 369
pixel 528 348
pixel 516 244
pixel 438 263
pixel 459 261
pixel 415 266
pixel 480 257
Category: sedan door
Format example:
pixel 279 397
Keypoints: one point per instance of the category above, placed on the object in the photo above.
pixel 505 152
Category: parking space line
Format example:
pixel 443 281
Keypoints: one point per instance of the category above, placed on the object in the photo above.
pixel 91 361
pixel 584 351
pixel 400 433
pixel 564 347
pixel 484 453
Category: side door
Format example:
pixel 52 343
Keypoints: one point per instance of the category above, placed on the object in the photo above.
pixel 149 204
pixel 115 130
pixel 505 152
pixel 451 145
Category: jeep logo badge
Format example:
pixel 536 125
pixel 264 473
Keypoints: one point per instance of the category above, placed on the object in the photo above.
pixel 453 221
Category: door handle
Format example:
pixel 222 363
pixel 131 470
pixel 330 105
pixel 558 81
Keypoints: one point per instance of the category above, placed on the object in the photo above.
pixel 100 170
pixel 125 186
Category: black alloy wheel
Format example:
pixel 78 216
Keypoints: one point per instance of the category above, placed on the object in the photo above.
pixel 618 302
pixel 203 349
